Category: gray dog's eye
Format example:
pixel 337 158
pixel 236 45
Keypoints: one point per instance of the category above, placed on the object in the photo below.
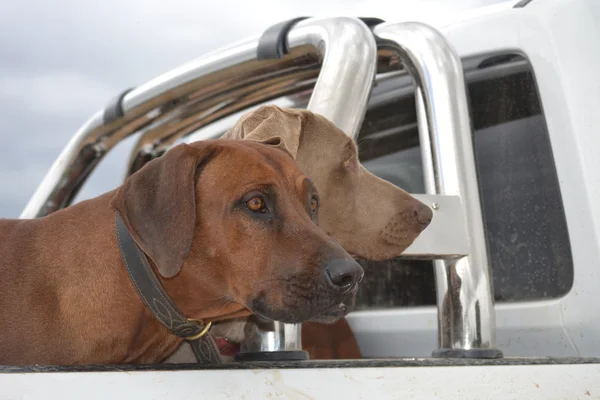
pixel 314 203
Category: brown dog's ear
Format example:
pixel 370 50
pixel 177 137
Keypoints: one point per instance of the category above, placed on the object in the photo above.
pixel 272 125
pixel 158 205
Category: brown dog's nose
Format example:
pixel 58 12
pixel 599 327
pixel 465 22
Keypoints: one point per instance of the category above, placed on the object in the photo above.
pixel 343 274
pixel 423 215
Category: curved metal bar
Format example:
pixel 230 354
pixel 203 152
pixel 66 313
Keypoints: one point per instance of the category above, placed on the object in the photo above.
pixel 233 67
pixel 466 315
pixel 194 114
pixel 334 40
pixel 217 85
pixel 344 84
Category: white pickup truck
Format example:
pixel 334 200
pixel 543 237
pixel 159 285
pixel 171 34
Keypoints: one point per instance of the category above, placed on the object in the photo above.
pixel 493 118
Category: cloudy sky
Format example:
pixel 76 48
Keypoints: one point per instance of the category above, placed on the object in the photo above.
pixel 62 60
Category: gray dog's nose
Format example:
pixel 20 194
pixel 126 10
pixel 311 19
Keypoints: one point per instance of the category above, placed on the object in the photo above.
pixel 423 215
pixel 343 274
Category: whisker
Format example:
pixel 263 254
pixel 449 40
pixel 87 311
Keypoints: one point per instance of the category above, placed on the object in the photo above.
pixel 226 296
pixel 224 305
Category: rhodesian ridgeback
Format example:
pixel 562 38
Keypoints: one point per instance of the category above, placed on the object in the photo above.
pixel 371 218
pixel 226 228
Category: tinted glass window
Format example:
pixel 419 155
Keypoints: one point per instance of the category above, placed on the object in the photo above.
pixel 523 213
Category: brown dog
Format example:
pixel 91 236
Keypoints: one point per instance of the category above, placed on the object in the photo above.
pixel 229 229
pixel 371 218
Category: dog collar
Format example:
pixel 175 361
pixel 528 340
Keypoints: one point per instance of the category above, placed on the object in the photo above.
pixel 158 301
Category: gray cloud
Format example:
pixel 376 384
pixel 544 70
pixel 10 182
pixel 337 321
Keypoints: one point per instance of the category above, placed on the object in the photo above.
pixel 62 60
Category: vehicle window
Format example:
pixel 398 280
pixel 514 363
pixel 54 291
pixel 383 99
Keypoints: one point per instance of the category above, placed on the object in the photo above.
pixel 524 219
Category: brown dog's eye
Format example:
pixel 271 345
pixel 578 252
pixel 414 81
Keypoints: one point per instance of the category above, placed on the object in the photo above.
pixel 314 203
pixel 256 204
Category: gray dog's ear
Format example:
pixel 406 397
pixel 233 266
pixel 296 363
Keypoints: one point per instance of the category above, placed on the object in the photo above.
pixel 270 125
pixel 158 205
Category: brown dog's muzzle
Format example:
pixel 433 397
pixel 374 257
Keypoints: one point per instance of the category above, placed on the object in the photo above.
pixel 320 284
pixel 343 275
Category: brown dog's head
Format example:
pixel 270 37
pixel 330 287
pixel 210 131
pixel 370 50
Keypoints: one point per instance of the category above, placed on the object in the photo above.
pixel 369 217
pixel 231 223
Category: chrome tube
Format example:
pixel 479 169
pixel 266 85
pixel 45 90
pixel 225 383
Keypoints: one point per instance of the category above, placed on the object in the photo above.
pixel 332 38
pixel 269 336
pixel 165 101
pixel 204 80
pixel 344 84
pixel 216 85
pixel 466 315
pixel 194 114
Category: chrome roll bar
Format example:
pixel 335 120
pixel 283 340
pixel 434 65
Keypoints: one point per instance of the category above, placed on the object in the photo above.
pixel 328 38
pixel 214 86
pixel 338 57
pixel 466 315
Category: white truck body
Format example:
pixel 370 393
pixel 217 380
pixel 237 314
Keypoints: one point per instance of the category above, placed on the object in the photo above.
pixel 557 41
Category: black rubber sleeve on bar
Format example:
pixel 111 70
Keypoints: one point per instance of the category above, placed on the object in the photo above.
pixel 273 44
pixel 371 22
pixel 114 109
pixel 522 3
